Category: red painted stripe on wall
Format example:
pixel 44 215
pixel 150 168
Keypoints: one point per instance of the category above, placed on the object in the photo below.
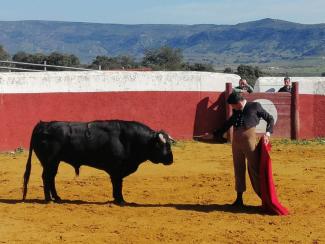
pixel 312 116
pixel 182 114
pixel 179 113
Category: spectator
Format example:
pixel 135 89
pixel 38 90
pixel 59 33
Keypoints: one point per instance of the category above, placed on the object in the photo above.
pixel 243 87
pixel 287 85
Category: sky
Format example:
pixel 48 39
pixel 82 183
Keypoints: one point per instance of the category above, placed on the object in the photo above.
pixel 164 11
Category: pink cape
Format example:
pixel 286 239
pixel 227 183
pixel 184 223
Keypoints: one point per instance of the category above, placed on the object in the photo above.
pixel 270 202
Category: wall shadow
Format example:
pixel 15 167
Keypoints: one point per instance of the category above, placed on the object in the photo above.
pixel 209 115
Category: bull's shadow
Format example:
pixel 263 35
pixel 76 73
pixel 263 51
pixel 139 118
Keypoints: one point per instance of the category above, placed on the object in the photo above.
pixel 206 208
pixel 40 201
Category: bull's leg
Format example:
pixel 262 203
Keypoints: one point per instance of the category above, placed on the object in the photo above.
pixel 50 165
pixel 46 185
pixel 117 190
pixel 53 173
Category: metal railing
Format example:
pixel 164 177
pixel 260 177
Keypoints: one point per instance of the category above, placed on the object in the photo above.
pixel 45 67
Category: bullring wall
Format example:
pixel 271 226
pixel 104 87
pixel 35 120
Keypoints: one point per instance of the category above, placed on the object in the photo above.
pixel 182 103
pixel 311 102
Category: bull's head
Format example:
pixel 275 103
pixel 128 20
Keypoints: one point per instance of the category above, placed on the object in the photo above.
pixel 161 148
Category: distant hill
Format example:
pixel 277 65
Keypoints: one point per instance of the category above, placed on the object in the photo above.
pixel 259 41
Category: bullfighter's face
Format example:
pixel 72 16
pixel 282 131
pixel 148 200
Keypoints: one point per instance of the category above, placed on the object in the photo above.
pixel 238 106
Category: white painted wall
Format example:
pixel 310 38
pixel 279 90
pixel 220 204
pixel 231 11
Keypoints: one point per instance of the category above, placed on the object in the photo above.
pixel 115 81
pixel 307 85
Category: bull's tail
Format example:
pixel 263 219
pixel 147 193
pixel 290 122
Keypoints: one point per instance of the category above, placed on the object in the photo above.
pixel 27 172
pixel 29 163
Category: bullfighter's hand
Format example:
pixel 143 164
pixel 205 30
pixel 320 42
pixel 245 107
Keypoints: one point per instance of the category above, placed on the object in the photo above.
pixel 266 139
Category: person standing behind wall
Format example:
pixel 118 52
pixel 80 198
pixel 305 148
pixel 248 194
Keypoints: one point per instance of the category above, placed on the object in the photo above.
pixel 287 85
pixel 243 87
pixel 245 117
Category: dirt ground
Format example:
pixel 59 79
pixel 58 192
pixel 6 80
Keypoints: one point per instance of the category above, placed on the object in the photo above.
pixel 186 202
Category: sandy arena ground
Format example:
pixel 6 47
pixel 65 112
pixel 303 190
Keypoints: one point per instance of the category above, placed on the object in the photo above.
pixel 186 202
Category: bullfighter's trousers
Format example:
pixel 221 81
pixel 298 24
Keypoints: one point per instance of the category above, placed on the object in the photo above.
pixel 243 147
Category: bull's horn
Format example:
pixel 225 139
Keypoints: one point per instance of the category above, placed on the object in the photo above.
pixel 171 138
pixel 162 138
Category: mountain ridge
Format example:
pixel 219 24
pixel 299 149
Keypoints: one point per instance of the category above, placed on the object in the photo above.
pixel 264 40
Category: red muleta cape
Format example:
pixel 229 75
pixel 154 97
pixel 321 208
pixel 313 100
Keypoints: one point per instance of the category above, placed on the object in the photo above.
pixel 270 202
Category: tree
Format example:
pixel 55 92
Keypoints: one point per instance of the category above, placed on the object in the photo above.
pixel 3 54
pixel 198 67
pixel 37 58
pixel 20 57
pixel 119 62
pixel 105 63
pixel 60 59
pixel 228 70
pixel 163 58
pixel 54 58
pixel 250 73
pixel 127 62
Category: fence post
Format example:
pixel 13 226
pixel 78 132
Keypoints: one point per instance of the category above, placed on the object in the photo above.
pixel 295 111
pixel 228 109
pixel 9 65
pixel 45 65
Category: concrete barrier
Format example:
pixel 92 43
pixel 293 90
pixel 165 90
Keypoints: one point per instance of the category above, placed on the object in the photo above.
pixel 182 103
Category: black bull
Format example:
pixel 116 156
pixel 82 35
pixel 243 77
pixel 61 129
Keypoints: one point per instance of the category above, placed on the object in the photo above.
pixel 115 146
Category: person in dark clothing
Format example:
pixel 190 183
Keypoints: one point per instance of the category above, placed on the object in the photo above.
pixel 287 85
pixel 245 117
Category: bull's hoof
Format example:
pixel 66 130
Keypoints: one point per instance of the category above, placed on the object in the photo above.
pixel 120 203
pixel 57 200
pixel 48 200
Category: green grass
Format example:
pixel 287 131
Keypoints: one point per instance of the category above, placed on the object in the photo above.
pixel 307 67
pixel 316 141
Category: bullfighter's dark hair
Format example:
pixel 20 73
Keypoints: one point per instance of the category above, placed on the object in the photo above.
pixel 234 98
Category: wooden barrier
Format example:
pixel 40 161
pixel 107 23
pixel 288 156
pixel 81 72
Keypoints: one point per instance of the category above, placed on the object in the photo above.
pixel 295 111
